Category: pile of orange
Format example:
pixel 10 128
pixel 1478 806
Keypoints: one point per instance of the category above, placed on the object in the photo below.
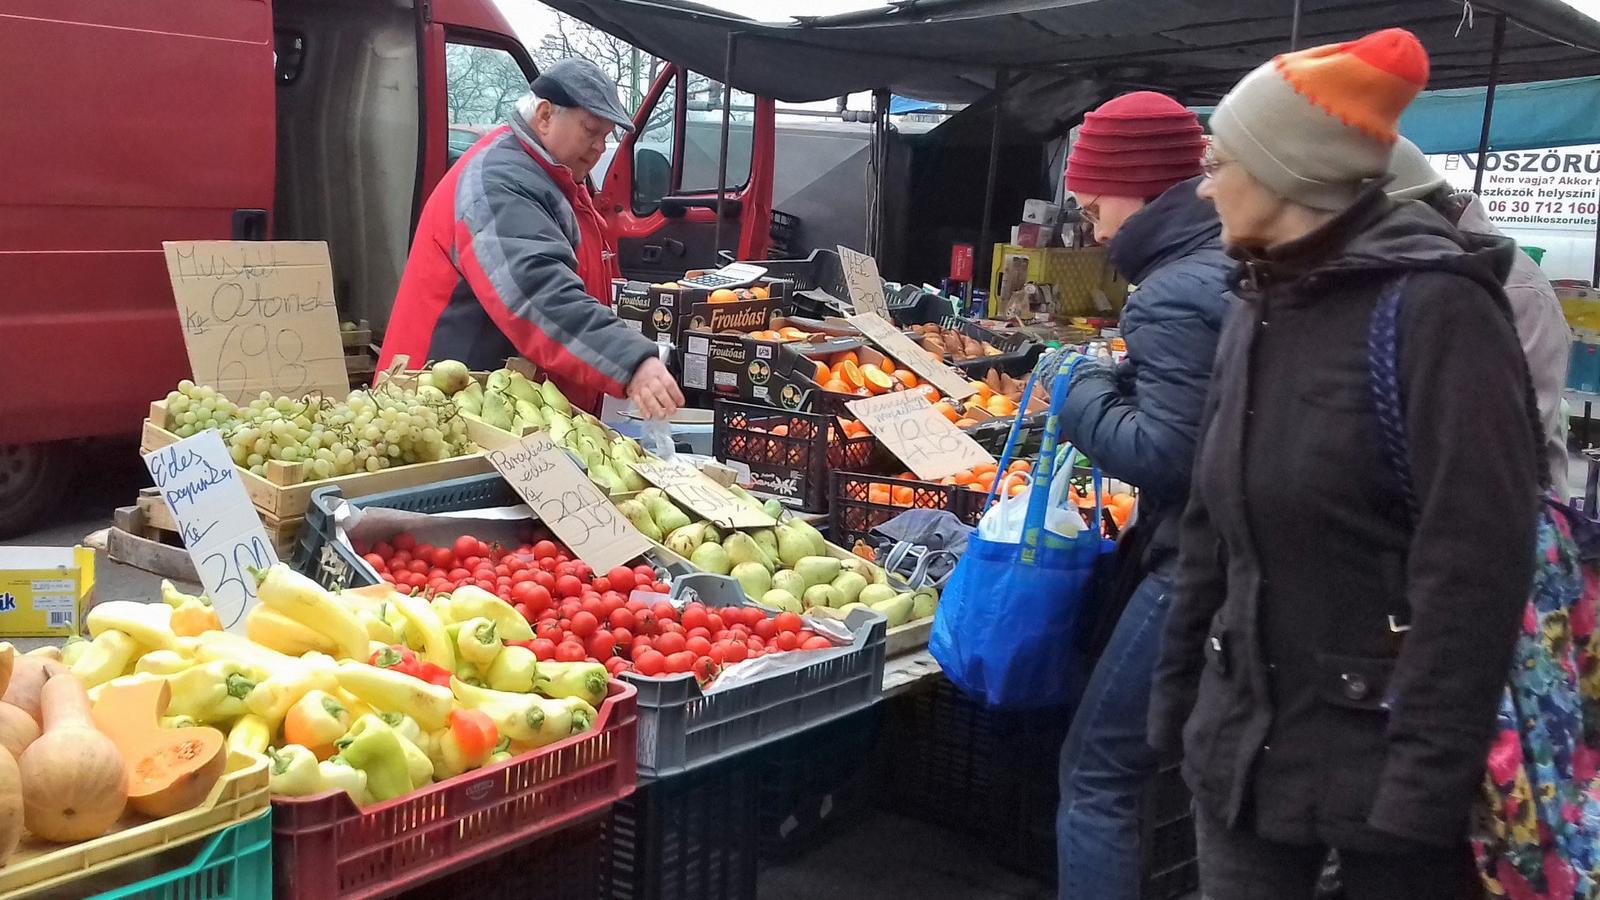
pixel 982 477
pixel 1120 504
pixel 732 295
pixel 892 495
pixel 786 333
pixel 844 373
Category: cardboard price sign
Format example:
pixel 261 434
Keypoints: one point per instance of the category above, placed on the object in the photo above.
pixel 258 316
pixel 865 284
pixel 915 432
pixel 705 498
pixel 218 523
pixel 563 496
pixel 883 333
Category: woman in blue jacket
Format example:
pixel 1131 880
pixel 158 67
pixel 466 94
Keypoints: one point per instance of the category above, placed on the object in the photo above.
pixel 1133 171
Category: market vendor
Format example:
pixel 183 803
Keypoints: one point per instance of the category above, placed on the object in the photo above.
pixel 511 258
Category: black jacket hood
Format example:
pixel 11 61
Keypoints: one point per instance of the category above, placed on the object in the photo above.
pixel 1175 224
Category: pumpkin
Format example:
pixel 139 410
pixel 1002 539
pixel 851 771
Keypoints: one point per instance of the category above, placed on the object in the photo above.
pixel 169 769
pixel 10 806
pixel 28 675
pixel 17 730
pixel 74 782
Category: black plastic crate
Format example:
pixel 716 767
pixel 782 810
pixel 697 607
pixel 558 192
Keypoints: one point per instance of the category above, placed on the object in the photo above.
pixel 993 434
pixel 1017 353
pixel 692 836
pixel 566 865
pixel 793 465
pixel 816 782
pixel 855 511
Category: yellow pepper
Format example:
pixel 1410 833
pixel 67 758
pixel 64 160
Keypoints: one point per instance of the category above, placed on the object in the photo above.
pixel 293 772
pixel 470 602
pixel 515 670
pixel 357 706
pixel 339 775
pixel 418 764
pixel 377 629
pixel 391 691
pixel 274 630
pixel 148 623
pixel 424 628
pixel 477 642
pixel 526 718
pixel 380 753
pixel 586 680
pixel 273 696
pixel 72 649
pixel 135 678
pixel 315 721
pixel 250 735
pixel 105 658
pixel 298 597
pixel 163 662
pixel 191 615
pixel 212 692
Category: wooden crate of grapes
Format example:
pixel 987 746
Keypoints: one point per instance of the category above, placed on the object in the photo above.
pixel 281 490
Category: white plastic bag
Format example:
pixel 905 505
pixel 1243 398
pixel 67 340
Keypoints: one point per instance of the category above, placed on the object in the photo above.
pixel 1003 521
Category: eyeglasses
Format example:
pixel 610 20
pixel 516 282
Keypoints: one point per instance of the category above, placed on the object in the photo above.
pixel 1211 163
pixel 1090 212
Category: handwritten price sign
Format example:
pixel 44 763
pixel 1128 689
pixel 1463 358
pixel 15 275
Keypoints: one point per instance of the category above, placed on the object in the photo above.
pixel 883 333
pixel 865 284
pixel 564 497
pixel 218 523
pixel 915 432
pixel 702 496
pixel 259 316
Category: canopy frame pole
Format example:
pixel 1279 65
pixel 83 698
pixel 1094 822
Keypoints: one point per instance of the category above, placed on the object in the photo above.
pixel 880 158
pixel 722 151
pixel 1488 100
pixel 986 246
pixel 1294 28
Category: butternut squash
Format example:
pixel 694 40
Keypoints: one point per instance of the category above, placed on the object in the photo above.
pixel 28 675
pixel 10 806
pixel 169 769
pixel 17 730
pixel 74 782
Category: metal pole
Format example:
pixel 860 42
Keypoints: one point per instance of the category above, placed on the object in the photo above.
pixel 722 153
pixel 1294 28
pixel 880 157
pixel 986 246
pixel 1488 101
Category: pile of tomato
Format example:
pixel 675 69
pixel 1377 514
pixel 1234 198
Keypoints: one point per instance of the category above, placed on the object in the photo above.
pixel 578 614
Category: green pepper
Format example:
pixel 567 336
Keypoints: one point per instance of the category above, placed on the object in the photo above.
pixel 379 752
pixel 515 669
pixel 476 641
pixel 293 771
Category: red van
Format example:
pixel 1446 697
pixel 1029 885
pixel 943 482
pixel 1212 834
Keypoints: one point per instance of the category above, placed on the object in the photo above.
pixel 128 124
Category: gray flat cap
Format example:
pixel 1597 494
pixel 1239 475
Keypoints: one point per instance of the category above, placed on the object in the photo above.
pixel 580 83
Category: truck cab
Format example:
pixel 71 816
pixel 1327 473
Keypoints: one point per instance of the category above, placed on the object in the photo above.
pixel 326 120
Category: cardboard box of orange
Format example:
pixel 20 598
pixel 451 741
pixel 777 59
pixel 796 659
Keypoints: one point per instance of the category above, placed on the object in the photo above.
pixel 664 311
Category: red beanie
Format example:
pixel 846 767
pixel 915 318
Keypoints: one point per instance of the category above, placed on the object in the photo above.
pixel 1136 145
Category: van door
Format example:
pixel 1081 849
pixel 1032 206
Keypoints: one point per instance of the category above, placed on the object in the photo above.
pixel 660 192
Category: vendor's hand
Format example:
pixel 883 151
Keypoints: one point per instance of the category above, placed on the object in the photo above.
pixel 653 391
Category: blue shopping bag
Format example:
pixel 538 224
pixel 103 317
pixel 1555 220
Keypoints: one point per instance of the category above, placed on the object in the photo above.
pixel 1006 629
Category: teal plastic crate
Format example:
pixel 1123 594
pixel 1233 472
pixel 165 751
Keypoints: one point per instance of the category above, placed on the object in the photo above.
pixel 234 864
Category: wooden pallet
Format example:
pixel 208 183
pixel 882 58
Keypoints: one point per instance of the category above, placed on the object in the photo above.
pixel 284 494
pixel 156 523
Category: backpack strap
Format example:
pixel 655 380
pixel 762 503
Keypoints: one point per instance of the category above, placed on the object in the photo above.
pixel 1383 378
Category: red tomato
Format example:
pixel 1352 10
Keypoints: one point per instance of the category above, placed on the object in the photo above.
pixel 624 636
pixel 536 596
pixel 806 634
pixel 593 606
pixel 788 640
pixel 551 631
pixel 640 645
pixel 377 562
pixel 714 623
pixel 741 629
pixel 788 621
pixel 566 568
pixel 694 616
pixel 644 622
pixel 583 570
pixel 571 651
pixel 568 586
pixel 735 652
pixel 487 585
pixel 400 560
pixel 470 562
pixel 620 618
pixel 584 624
pixel 459 574
pixel 418 566
pixel 705 668
pixel 639 570
pixel 547 563
pixel 719 653
pixel 661 587
pixel 698 645
pixel 522 576
pixel 635 605
pixel 601 584
pixel 816 643
pixel 387 577
pixel 544 648
pixel 383 549
pixel 523 611
pixel 616 665
pixel 680 662
pixel 665 612
pixel 670 643
pixel 502 571
pixel 404 541
pixel 545 580
pixel 621 576
pixel 702 631
pixel 602 645
pixel 765 628
pixel 570 607
pixel 650 663
pixel 672 627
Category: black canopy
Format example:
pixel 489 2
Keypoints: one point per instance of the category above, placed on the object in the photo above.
pixel 950 50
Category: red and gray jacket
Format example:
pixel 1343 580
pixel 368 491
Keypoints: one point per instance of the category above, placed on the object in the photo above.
pixel 511 259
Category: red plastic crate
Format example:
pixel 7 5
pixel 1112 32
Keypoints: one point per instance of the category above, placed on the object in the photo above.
pixel 326 846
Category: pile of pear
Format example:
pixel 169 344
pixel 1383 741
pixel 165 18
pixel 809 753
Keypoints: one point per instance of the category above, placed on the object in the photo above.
pixel 510 401
pixel 785 568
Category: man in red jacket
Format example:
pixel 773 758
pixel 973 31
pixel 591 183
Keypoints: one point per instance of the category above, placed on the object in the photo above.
pixel 511 258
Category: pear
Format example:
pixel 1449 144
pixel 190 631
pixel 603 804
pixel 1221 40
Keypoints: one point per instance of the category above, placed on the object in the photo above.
pixel 818 569
pixel 742 548
pixel 752 576
pixel 844 611
pixel 471 404
pixel 793 545
pixel 819 547
pixel 821 595
pixel 497 381
pixel 528 414
pixel 896 609
pixel 713 536
pixel 711 558
pixel 621 451
pixel 767 540
pixel 791 581
pixel 924 601
pixel 430 394
pixel 451 376
pixel 496 413
pixel 518 386
pixel 875 593
pixel 606 476
pixel 640 517
pixel 668 516
pixel 425 379
pixel 559 430
pixel 782 600
pixel 686 539
pixel 773 508
pixel 554 398
pixel 856 564
pixel 849 585
pixel 648 495
pixel 633 480
pixel 827 612
pixel 743 494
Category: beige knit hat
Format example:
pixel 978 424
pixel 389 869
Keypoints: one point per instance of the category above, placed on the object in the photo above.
pixel 1314 124
pixel 1412 177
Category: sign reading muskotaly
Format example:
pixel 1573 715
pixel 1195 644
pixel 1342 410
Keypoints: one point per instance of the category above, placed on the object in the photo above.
pixel 883 333
pixel 928 443
pixel 563 497
pixel 865 284
pixel 217 521
pixel 705 498
pixel 259 316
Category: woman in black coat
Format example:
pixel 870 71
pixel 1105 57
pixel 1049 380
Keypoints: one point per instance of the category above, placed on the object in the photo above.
pixel 1332 662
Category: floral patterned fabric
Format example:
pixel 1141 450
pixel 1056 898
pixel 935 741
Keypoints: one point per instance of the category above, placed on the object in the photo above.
pixel 1536 835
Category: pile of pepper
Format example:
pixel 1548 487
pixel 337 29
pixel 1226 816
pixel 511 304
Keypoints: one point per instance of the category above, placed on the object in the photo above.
pixel 368 691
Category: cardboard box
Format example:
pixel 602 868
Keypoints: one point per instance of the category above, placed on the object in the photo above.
pixel 1040 212
pixel 663 314
pixel 1034 236
pixel 45 591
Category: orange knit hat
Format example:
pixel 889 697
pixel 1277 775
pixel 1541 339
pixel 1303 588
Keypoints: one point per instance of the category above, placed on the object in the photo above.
pixel 1314 124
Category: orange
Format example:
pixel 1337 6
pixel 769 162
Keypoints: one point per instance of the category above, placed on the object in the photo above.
pixel 903 496
pixel 850 373
pixel 879 493
pixel 823 374
pixel 964 477
pixel 792 333
pixel 780 430
pixel 887 365
pixel 1000 405
pixel 1016 488
pixel 877 380
pixel 932 393
pixel 836 386
pixel 723 295
pixel 946 410
pixel 1019 465
pixel 965 422
pixel 760 291
pixel 984 391
pixel 847 356
pixel 983 467
pixel 906 376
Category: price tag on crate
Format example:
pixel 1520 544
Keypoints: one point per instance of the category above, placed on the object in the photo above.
pixel 949 382
pixel 559 493
pixel 865 284
pixel 259 316
pixel 218 523
pixel 702 496
pixel 928 443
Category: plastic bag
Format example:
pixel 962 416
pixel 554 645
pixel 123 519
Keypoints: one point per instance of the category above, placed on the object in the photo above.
pixel 1003 522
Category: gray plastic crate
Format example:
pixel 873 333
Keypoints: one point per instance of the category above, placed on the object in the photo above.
pixel 682 728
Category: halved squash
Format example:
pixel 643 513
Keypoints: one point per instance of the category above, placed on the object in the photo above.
pixel 169 769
